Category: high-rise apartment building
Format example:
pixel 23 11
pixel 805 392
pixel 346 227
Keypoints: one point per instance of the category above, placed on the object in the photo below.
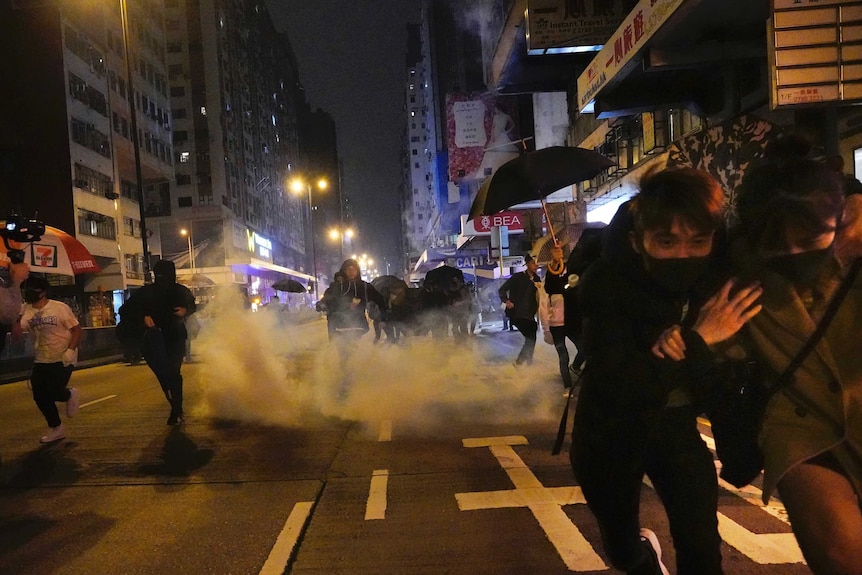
pixel 68 148
pixel 230 216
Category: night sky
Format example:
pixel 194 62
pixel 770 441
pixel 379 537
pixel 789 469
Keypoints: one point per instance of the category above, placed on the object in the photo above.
pixel 351 56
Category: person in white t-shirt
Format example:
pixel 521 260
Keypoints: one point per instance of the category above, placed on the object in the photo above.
pixel 57 332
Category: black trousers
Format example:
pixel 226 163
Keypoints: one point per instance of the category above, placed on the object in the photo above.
pixel 559 335
pixel 682 471
pixel 49 381
pixel 164 356
pixel 528 328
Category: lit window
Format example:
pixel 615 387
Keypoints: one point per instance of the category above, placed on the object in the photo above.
pixel 203 110
pixel 184 157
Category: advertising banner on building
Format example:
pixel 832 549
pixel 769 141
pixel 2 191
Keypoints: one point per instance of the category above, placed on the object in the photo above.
pixel 482 134
pixel 565 26
pixel 636 29
pixel 550 119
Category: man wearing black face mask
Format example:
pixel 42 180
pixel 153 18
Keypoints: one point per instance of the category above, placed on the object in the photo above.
pixel 163 305
pixel 57 333
pixel 635 412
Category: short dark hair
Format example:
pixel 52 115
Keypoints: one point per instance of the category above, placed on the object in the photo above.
pixel 687 193
pixel 36 282
pixel 799 192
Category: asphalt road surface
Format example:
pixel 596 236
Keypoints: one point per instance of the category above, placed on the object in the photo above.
pixel 430 457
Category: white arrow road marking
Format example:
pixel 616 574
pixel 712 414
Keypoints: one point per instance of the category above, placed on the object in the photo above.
pixel 375 508
pixel 545 503
pixel 280 553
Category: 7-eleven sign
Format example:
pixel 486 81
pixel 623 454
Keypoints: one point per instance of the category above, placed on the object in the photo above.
pixel 43 256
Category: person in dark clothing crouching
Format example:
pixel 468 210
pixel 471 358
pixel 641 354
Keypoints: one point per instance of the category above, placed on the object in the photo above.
pixel 636 413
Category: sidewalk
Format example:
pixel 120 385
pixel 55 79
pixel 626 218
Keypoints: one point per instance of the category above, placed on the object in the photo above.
pixel 12 377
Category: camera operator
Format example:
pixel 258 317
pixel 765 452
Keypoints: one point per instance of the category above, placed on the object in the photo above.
pixel 10 297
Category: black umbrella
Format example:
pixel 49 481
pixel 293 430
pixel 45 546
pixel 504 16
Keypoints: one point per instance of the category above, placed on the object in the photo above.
pixel 534 175
pixel 289 285
pixel 388 284
pixel 444 279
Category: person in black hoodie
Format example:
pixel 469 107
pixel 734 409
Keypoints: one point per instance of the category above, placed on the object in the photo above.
pixel 346 301
pixel 636 412
pixel 519 294
pixel 162 307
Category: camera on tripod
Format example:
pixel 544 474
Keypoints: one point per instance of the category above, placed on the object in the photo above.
pixel 19 229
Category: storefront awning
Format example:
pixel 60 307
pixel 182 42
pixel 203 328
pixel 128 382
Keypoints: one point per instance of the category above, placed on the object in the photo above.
pixel 674 52
pixel 266 270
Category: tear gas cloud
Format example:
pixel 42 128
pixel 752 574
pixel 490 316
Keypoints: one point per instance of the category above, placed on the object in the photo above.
pixel 267 367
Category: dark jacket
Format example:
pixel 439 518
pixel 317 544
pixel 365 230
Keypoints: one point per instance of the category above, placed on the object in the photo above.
pixel 625 387
pixel 158 300
pixel 521 291
pixel 346 301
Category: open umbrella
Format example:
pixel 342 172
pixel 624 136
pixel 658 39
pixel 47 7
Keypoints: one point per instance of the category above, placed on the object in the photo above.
pixel 534 175
pixel 444 279
pixel 196 281
pixel 289 285
pixel 388 285
pixel 56 252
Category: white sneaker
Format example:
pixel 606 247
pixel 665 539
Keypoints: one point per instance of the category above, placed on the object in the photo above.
pixel 649 536
pixel 74 403
pixel 55 434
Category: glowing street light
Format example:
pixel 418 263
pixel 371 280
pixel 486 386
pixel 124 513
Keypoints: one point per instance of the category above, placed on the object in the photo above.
pixel 339 234
pixel 186 233
pixel 298 185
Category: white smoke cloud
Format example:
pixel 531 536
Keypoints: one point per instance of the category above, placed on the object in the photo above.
pixel 259 367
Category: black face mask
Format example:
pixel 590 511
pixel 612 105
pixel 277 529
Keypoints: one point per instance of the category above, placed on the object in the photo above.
pixel 799 268
pixel 676 274
pixel 32 295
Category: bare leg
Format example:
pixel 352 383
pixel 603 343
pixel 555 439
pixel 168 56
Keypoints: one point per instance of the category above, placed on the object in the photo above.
pixel 826 517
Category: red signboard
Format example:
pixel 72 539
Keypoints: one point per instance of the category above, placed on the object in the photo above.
pixel 512 220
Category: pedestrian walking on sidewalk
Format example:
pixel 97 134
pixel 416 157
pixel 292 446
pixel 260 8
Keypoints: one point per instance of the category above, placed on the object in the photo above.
pixel 163 307
pixel 57 332
pixel 519 295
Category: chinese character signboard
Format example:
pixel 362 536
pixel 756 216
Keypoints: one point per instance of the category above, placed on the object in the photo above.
pixel 565 26
pixel 815 51
pixel 638 27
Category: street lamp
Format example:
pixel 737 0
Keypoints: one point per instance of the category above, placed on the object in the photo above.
pixel 136 145
pixel 338 234
pixel 188 235
pixel 297 185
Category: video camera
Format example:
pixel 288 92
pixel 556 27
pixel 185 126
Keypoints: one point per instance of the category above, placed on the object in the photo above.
pixel 19 229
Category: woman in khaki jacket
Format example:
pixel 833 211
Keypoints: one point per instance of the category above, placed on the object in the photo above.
pixel 790 212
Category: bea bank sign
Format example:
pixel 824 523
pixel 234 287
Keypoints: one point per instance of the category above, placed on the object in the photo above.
pixel 482 225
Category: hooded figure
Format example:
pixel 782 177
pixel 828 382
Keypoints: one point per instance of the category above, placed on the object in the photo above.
pixel 162 307
pixel 347 299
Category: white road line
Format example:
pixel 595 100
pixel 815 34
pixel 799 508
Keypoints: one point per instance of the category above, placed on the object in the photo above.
pixel 385 430
pixel 545 503
pixel 749 493
pixel 375 508
pixel 280 553
pixel 101 399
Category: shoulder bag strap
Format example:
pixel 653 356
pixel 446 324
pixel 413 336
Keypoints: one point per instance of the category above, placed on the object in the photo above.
pixel 786 377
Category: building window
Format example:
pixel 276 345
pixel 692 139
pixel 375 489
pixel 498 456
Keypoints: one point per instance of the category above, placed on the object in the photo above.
pixel 184 157
pixel 184 201
pixel 178 91
pixel 92 181
pixel 96 225
pixel 184 180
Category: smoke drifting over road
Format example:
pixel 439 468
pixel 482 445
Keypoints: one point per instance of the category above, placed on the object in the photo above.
pixel 264 368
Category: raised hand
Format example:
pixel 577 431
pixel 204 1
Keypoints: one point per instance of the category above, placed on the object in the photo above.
pixel 723 315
